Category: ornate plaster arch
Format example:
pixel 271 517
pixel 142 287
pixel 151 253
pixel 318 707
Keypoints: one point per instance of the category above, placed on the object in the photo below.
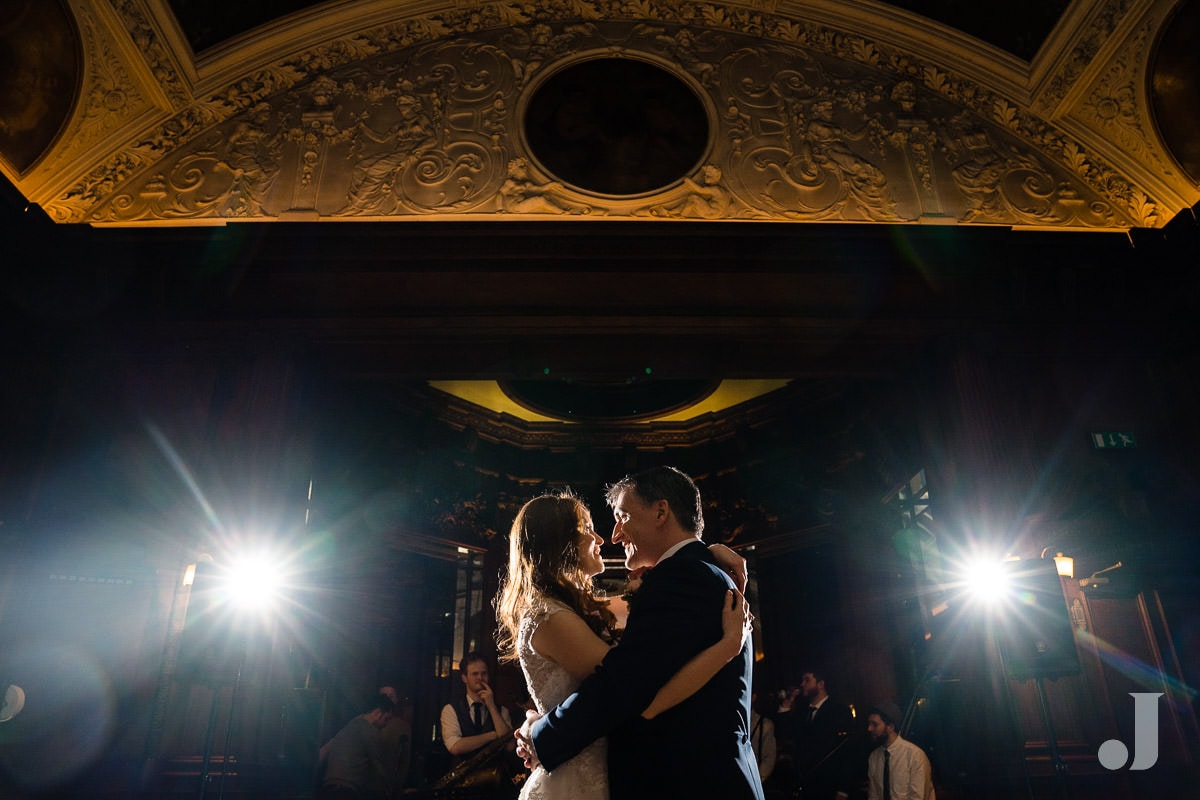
pixel 825 111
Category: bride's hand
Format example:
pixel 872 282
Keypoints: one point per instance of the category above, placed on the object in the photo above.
pixel 733 564
pixel 525 749
pixel 736 621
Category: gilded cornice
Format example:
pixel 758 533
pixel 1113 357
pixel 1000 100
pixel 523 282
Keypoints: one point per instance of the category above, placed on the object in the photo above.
pixel 853 112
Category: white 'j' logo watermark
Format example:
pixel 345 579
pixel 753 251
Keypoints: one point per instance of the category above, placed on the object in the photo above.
pixel 1113 754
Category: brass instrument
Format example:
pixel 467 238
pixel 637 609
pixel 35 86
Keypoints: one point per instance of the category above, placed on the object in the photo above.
pixel 484 767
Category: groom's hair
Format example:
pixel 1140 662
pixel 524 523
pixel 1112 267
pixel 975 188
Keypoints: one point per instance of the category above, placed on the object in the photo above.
pixel 664 483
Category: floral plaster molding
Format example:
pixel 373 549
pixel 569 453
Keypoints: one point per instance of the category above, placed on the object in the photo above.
pixel 1115 109
pixel 1087 29
pixel 111 97
pixel 851 112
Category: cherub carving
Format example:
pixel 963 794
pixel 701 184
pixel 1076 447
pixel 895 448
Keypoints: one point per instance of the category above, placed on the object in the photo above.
pixel 705 199
pixel 520 195
pixel 684 48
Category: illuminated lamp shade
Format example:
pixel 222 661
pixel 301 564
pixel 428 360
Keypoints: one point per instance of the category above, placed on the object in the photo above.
pixel 1064 565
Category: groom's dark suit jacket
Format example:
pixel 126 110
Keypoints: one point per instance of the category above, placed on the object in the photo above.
pixel 699 748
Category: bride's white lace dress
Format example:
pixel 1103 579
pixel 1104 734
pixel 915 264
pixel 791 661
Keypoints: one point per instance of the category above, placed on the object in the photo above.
pixel 584 777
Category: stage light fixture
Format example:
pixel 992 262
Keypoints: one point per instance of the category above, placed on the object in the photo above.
pixel 987 580
pixel 252 582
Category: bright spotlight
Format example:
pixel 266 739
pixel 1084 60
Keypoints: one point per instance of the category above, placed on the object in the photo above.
pixel 987 580
pixel 253 582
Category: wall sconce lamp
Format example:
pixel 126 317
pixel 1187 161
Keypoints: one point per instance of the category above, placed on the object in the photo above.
pixel 1064 564
pixel 189 572
pixel 1095 580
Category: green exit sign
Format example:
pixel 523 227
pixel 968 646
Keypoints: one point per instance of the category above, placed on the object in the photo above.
pixel 1113 441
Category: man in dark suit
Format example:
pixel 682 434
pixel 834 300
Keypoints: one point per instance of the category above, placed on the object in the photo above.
pixel 701 747
pixel 821 729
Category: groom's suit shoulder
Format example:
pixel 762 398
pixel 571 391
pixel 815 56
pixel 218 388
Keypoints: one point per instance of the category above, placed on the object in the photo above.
pixel 690 571
pixel 694 558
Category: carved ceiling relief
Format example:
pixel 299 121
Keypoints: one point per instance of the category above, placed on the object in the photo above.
pixel 142 31
pixel 795 134
pixel 1115 107
pixel 111 94
pixel 414 132
pixel 1104 22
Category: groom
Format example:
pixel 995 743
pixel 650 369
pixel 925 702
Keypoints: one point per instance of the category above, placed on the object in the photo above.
pixel 701 747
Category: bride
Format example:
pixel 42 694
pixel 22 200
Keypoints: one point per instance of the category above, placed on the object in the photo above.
pixel 552 620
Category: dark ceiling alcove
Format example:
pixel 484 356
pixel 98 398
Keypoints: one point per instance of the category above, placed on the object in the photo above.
pixel 616 126
pixel 635 397
pixel 1174 90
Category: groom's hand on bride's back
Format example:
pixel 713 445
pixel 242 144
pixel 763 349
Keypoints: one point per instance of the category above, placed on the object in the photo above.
pixel 524 743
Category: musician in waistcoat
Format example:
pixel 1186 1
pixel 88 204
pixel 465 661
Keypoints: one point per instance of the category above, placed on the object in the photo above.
pixel 474 720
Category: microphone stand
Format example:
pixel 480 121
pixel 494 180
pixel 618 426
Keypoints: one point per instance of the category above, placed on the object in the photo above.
pixel 1060 766
pixel 798 794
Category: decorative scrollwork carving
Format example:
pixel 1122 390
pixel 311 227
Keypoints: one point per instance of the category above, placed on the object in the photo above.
pixel 420 116
pixel 1001 183
pixel 1113 103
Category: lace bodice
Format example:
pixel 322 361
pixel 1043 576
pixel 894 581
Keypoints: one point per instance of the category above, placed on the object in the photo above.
pixel 584 777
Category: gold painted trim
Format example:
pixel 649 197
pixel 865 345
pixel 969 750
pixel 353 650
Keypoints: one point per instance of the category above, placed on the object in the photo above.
pixel 489 395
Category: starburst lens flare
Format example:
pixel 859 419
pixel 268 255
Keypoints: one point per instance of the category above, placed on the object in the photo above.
pixel 253 583
pixel 988 581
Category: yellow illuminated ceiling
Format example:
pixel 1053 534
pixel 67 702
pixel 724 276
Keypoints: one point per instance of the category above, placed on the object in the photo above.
pixel 489 395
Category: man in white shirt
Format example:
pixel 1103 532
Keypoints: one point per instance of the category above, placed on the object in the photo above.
pixel 474 721
pixel 897 769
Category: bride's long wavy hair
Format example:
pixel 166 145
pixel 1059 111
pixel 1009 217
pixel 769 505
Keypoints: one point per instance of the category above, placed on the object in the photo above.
pixel 543 559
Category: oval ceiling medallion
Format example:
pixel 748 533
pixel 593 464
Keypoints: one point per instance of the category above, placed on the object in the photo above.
pixel 40 73
pixel 616 126
pixel 1175 89
pixel 579 400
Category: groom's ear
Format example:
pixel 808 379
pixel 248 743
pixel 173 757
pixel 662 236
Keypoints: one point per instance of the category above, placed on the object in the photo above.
pixel 662 507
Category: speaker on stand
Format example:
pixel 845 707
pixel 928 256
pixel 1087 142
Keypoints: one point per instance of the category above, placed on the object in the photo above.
pixel 303 716
pixel 213 653
pixel 1037 640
